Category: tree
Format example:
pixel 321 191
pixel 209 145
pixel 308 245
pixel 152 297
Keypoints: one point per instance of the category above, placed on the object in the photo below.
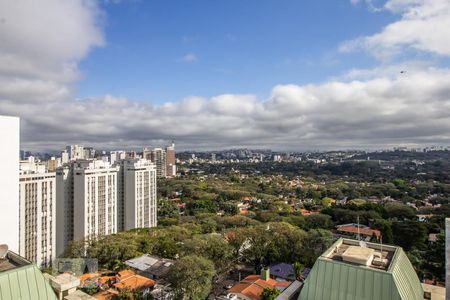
pixel 399 211
pixel 409 234
pixel 298 268
pixel 191 277
pixel 211 246
pixel 270 294
pixel 318 221
pixel 327 201
pixel 316 242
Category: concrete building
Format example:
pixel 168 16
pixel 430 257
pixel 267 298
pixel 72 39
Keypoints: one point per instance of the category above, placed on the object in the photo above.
pixel 158 157
pixel 116 156
pixel 171 167
pixel 65 157
pixel 64 207
pixel 37 201
pixel 351 269
pixel 95 199
pixel 9 178
pixel 53 164
pixel 139 197
pixel 75 152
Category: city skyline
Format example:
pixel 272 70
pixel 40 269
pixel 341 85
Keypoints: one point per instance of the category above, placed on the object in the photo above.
pixel 134 73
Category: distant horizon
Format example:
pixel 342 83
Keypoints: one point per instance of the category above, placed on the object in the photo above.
pixel 292 151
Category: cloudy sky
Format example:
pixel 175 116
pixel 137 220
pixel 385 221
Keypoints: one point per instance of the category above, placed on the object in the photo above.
pixel 285 75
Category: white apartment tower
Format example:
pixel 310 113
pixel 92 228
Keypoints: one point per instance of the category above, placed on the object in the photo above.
pixel 75 152
pixel 95 200
pixel 139 197
pixel 9 178
pixel 37 201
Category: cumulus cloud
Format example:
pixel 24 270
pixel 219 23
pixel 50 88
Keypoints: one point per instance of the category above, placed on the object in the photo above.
pixel 362 109
pixel 423 26
pixel 370 113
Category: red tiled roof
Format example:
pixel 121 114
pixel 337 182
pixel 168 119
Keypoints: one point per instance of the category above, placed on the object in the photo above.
pixel 364 230
pixel 127 279
pixel 252 286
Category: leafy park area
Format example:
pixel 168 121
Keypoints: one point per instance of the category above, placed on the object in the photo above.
pixel 216 220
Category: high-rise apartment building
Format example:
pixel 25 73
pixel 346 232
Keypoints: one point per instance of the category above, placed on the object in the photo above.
pixel 64 207
pixel 158 157
pixel 95 199
pixel 139 197
pixel 75 152
pixel 116 156
pixel 171 167
pixel 9 178
pixel 37 201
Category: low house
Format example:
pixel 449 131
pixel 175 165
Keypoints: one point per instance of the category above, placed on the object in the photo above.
pixel 282 271
pixel 355 229
pixel 128 280
pixel 151 266
pixel 252 286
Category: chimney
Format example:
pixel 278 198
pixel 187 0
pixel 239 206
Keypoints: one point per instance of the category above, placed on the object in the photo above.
pixel 265 273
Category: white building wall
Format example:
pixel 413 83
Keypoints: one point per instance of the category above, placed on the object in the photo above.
pixel 37 218
pixel 95 202
pixel 140 194
pixel 9 182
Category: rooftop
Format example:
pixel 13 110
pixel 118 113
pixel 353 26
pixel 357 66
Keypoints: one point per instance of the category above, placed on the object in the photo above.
pixel 372 255
pixel 20 279
pixel 351 269
pixel 12 261
pixel 252 286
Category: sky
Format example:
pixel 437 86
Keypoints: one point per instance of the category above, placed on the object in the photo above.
pixel 286 75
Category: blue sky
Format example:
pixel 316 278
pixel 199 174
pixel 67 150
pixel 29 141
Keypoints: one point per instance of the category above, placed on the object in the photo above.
pixel 279 74
pixel 235 46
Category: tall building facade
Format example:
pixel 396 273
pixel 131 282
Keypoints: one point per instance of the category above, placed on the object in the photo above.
pixel 37 230
pixel 9 178
pixel 75 152
pixel 139 196
pixel 95 200
pixel 171 167
pixel 64 207
pixel 158 157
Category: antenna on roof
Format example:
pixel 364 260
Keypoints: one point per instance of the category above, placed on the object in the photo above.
pixel 3 251
pixel 381 242
pixel 359 237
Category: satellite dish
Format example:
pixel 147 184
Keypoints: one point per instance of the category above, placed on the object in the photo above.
pixel 3 251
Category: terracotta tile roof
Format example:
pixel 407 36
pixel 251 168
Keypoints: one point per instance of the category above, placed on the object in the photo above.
pixel 252 286
pixel 124 274
pixel 130 280
pixel 362 230
pixel 87 276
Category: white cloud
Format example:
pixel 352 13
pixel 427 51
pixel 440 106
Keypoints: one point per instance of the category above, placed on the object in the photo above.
pixel 364 108
pixel 424 26
pixel 188 58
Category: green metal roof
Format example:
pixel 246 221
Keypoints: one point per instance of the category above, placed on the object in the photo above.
pixel 25 283
pixel 336 280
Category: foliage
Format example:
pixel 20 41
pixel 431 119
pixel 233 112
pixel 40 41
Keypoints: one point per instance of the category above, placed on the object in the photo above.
pixel 270 294
pixel 191 277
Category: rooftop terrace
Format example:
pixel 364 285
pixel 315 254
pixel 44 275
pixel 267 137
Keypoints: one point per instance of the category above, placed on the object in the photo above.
pixel 354 252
